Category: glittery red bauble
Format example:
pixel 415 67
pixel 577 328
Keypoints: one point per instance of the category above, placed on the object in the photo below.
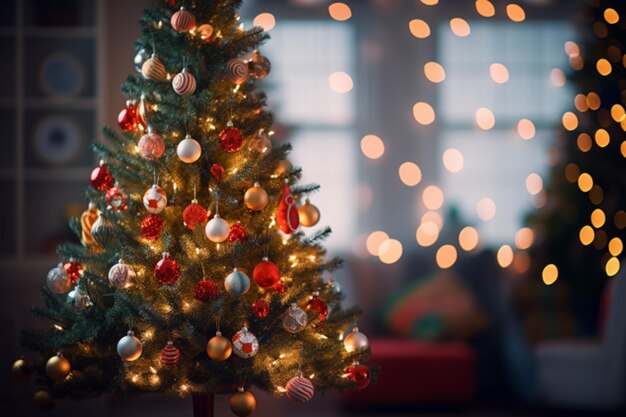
pixel 266 274
pixel 231 139
pixel 260 309
pixel 73 270
pixel 206 290
pixel 217 171
pixel 359 374
pixel 167 270
pixel 237 234
pixel 318 306
pixel 194 214
pixel 101 178
pixel 280 288
pixel 170 355
pixel 151 227
pixel 128 119
pixel 117 199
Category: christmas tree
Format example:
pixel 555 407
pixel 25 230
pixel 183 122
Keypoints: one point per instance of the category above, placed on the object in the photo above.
pixel 581 227
pixel 194 275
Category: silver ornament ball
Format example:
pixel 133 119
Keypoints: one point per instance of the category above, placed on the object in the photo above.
pixel 189 150
pixel 237 283
pixel 355 341
pixel 217 229
pixel 129 347
pixel 57 281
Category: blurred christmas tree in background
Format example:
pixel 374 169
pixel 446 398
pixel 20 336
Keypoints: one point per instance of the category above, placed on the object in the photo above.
pixel 193 276
pixel 581 228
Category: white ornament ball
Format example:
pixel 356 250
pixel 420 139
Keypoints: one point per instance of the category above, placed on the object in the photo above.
pixel 120 275
pixel 129 347
pixel 189 150
pixel 184 83
pixel 58 282
pixel 155 200
pixel 245 344
pixel 217 229
pixel 237 283
pixel 355 341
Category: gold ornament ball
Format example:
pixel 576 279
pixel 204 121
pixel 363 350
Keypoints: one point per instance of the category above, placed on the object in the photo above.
pixel 355 341
pixel 283 167
pixel 256 198
pixel 242 403
pixel 219 348
pixel 43 400
pixel 21 370
pixel 58 368
pixel 309 214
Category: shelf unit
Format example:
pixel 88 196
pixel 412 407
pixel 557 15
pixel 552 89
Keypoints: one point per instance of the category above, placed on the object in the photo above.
pixel 50 114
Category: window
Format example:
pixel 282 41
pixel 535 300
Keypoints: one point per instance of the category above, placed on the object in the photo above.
pixel 497 161
pixel 304 54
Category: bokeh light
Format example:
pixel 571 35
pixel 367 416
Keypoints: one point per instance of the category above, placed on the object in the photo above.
pixel 485 8
pixel 374 241
pixel 526 129
pixel 618 113
pixel 580 102
pixel 468 238
pixel 499 73
pixel 557 77
pixel 616 246
pixel 572 172
pixel 604 67
pixel 446 256
pixel 410 174
pixel 515 12
pixel 602 138
pixel 596 194
pixel 372 146
pixel 340 82
pixel 433 217
pixel 390 251
pixel 612 267
pixel 453 160
pixel 598 218
pixel 585 182
pixel 424 113
pixel 485 118
pixel 340 11
pixel 571 48
pixel 534 184
pixel 524 238
pixel 427 234
pixel 586 235
pixel 620 219
pixel 419 28
pixel 521 263
pixel 570 121
pixel 430 2
pixel 584 142
pixel 611 16
pixel 505 256
pixel 434 72
pixel 265 20
pixel 460 27
pixel 433 198
pixel 486 209
pixel 550 274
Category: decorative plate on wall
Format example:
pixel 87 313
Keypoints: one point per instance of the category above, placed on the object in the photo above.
pixel 57 139
pixel 62 75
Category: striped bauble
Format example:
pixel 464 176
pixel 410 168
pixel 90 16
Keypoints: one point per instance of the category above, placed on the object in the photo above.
pixel 183 21
pixel 120 275
pixel 153 69
pixel 102 231
pixel 184 83
pixel 170 355
pixel 299 389
pixel 237 70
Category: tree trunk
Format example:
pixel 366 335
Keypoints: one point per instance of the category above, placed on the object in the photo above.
pixel 203 405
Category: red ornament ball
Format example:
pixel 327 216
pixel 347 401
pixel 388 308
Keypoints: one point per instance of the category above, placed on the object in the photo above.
pixel 359 374
pixel 194 214
pixel 128 119
pixel 280 288
pixel 266 274
pixel 206 290
pixel 237 234
pixel 260 309
pixel 101 179
pixel 170 355
pixel 231 139
pixel 73 270
pixel 151 227
pixel 217 171
pixel 183 21
pixel 117 199
pixel 151 146
pixel 167 270
pixel 318 306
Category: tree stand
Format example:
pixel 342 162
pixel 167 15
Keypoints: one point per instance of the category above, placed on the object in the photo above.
pixel 203 405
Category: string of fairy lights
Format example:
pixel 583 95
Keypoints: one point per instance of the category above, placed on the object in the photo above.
pixel 389 250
